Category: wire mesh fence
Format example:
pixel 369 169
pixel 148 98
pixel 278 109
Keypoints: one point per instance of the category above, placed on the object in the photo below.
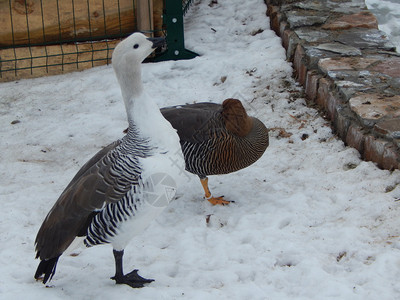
pixel 46 37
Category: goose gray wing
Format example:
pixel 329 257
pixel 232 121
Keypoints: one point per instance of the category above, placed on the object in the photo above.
pixel 195 123
pixel 100 181
pixel 99 155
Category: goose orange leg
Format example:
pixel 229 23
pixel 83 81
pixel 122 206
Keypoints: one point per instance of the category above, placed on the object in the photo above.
pixel 209 197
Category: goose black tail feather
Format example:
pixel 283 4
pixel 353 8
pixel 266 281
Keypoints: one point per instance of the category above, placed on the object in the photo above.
pixel 48 268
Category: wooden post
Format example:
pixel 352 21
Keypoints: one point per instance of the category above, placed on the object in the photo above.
pixel 145 16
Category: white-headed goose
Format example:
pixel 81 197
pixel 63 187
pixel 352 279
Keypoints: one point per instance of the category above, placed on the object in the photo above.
pixel 118 192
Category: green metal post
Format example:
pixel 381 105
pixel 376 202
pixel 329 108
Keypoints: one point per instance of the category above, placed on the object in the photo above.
pixel 173 21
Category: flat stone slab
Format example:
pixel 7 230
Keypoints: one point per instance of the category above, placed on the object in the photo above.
pixel 389 128
pixel 296 19
pixel 389 67
pixel 363 19
pixel 339 48
pixel 311 35
pixel 365 38
pixel 332 5
pixel 345 63
pixel 372 107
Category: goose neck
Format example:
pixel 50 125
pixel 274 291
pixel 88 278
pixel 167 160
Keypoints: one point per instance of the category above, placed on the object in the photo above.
pixel 129 77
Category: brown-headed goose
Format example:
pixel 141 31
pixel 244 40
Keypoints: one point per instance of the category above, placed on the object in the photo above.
pixel 217 139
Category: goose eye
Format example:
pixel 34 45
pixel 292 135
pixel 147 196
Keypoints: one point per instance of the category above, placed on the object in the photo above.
pixel 135 46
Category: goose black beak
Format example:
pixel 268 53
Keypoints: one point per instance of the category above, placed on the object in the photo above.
pixel 157 42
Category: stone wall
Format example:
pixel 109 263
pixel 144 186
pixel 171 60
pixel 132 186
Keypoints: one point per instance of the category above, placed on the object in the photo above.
pixel 349 69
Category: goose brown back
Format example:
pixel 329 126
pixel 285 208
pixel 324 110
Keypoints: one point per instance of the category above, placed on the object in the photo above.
pixel 217 139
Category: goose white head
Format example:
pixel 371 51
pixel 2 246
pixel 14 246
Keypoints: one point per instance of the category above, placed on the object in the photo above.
pixel 127 58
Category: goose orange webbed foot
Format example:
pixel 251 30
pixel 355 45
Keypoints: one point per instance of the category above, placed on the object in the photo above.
pixel 209 197
pixel 219 201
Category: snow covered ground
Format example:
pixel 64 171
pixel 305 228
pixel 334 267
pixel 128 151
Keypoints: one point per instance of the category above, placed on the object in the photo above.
pixel 311 219
pixel 388 14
